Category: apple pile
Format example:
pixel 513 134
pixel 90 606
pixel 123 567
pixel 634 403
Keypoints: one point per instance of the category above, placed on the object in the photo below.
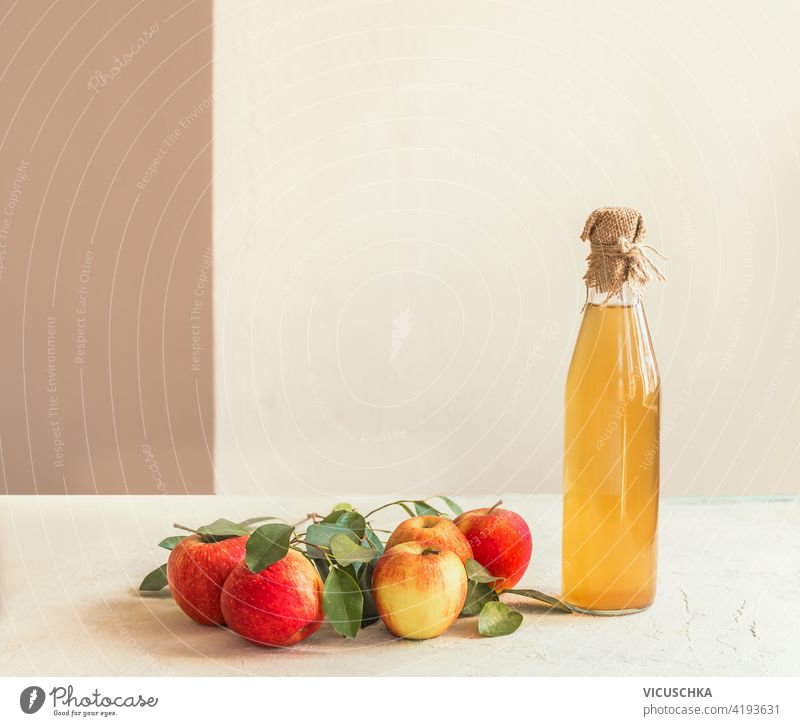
pixel 275 585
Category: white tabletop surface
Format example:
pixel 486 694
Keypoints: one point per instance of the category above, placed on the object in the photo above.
pixel 728 600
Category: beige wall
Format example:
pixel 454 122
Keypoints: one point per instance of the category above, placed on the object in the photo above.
pixel 101 260
pixel 398 192
pixel 400 187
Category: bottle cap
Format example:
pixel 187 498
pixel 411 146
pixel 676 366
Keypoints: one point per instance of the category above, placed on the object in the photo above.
pixel 617 252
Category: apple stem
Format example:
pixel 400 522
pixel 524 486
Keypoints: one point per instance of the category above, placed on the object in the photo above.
pixel 185 529
pixel 494 506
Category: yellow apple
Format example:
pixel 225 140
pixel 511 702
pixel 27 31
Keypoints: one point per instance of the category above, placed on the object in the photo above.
pixel 419 590
pixel 438 532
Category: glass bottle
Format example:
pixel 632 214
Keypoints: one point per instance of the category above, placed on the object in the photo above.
pixel 611 457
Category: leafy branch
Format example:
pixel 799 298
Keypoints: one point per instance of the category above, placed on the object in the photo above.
pixel 494 617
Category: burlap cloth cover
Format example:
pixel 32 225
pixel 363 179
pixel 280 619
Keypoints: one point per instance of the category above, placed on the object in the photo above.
pixel 617 254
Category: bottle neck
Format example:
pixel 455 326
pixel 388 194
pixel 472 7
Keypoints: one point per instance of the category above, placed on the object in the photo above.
pixel 624 297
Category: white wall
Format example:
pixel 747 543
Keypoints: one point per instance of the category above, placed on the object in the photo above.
pixel 416 173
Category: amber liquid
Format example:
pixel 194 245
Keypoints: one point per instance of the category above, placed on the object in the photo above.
pixel 611 463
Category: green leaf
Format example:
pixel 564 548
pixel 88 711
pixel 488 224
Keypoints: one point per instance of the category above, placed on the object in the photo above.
pixel 478 594
pixel 347 552
pixel 424 509
pixel 374 540
pixel 498 619
pixel 478 573
pixel 343 602
pixel 353 521
pixel 268 544
pixel 336 512
pixel 222 528
pixel 351 570
pixel 155 581
pixel 370 611
pixel 542 597
pixel 170 542
pixel 320 536
pixel 454 508
pixel 322 567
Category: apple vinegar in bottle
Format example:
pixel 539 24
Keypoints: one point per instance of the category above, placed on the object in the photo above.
pixel 611 426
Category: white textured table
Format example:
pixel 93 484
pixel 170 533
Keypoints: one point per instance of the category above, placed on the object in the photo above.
pixel 728 601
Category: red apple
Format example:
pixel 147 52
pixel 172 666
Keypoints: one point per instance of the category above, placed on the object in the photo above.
pixel 196 571
pixel 279 606
pixel 419 591
pixel 500 541
pixel 437 532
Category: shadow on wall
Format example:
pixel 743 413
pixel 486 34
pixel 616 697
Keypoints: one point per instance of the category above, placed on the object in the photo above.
pixel 105 248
